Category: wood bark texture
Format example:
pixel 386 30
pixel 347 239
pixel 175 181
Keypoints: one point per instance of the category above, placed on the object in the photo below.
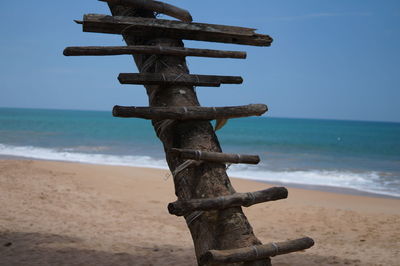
pixel 161 28
pixel 152 50
pixel 189 112
pixel 155 6
pixel 218 257
pixel 220 229
pixel 215 156
pixel 177 79
pixel 181 207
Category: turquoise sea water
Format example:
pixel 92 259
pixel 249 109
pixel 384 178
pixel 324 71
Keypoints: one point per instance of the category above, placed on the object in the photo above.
pixel 346 154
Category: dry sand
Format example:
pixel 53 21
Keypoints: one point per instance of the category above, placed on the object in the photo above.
pixel 55 213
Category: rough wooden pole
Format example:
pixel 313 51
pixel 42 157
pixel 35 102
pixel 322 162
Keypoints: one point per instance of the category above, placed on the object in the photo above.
pixel 161 28
pixel 156 6
pixel 181 79
pixel 218 257
pixel 140 49
pixel 248 199
pixel 220 229
pixel 189 112
pixel 215 156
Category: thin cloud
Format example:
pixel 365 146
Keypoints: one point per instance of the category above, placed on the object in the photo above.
pixel 324 15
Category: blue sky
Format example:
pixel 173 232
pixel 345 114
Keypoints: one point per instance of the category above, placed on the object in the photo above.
pixel 330 59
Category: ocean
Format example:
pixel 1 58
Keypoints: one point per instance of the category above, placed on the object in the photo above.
pixel 364 156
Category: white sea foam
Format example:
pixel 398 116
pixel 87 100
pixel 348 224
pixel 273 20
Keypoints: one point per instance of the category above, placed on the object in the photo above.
pixel 365 181
pixel 362 181
pixel 90 158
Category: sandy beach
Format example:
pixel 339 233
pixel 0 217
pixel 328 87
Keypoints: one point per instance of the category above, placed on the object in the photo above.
pixel 56 213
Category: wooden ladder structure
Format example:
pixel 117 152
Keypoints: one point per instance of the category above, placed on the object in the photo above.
pixel 206 198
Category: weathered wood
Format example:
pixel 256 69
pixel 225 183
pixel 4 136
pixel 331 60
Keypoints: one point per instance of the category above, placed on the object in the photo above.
pixel 177 79
pixel 155 6
pixel 182 207
pixel 255 252
pixel 189 112
pixel 215 156
pixel 143 49
pixel 224 229
pixel 161 28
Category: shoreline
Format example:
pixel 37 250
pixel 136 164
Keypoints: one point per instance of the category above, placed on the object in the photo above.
pixel 322 188
pixel 330 189
pixel 63 213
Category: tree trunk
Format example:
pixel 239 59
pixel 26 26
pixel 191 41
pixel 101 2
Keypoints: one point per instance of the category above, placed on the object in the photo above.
pixel 210 230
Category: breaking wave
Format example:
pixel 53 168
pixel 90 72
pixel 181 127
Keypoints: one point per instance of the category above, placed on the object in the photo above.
pixel 368 181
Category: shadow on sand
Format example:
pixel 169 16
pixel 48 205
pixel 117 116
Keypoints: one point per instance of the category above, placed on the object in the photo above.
pixel 34 249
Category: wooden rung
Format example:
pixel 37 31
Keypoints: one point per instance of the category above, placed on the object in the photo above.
pixel 255 252
pixel 215 156
pixel 159 50
pixel 190 112
pixel 177 79
pixel 161 28
pixel 155 6
pixel 180 207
